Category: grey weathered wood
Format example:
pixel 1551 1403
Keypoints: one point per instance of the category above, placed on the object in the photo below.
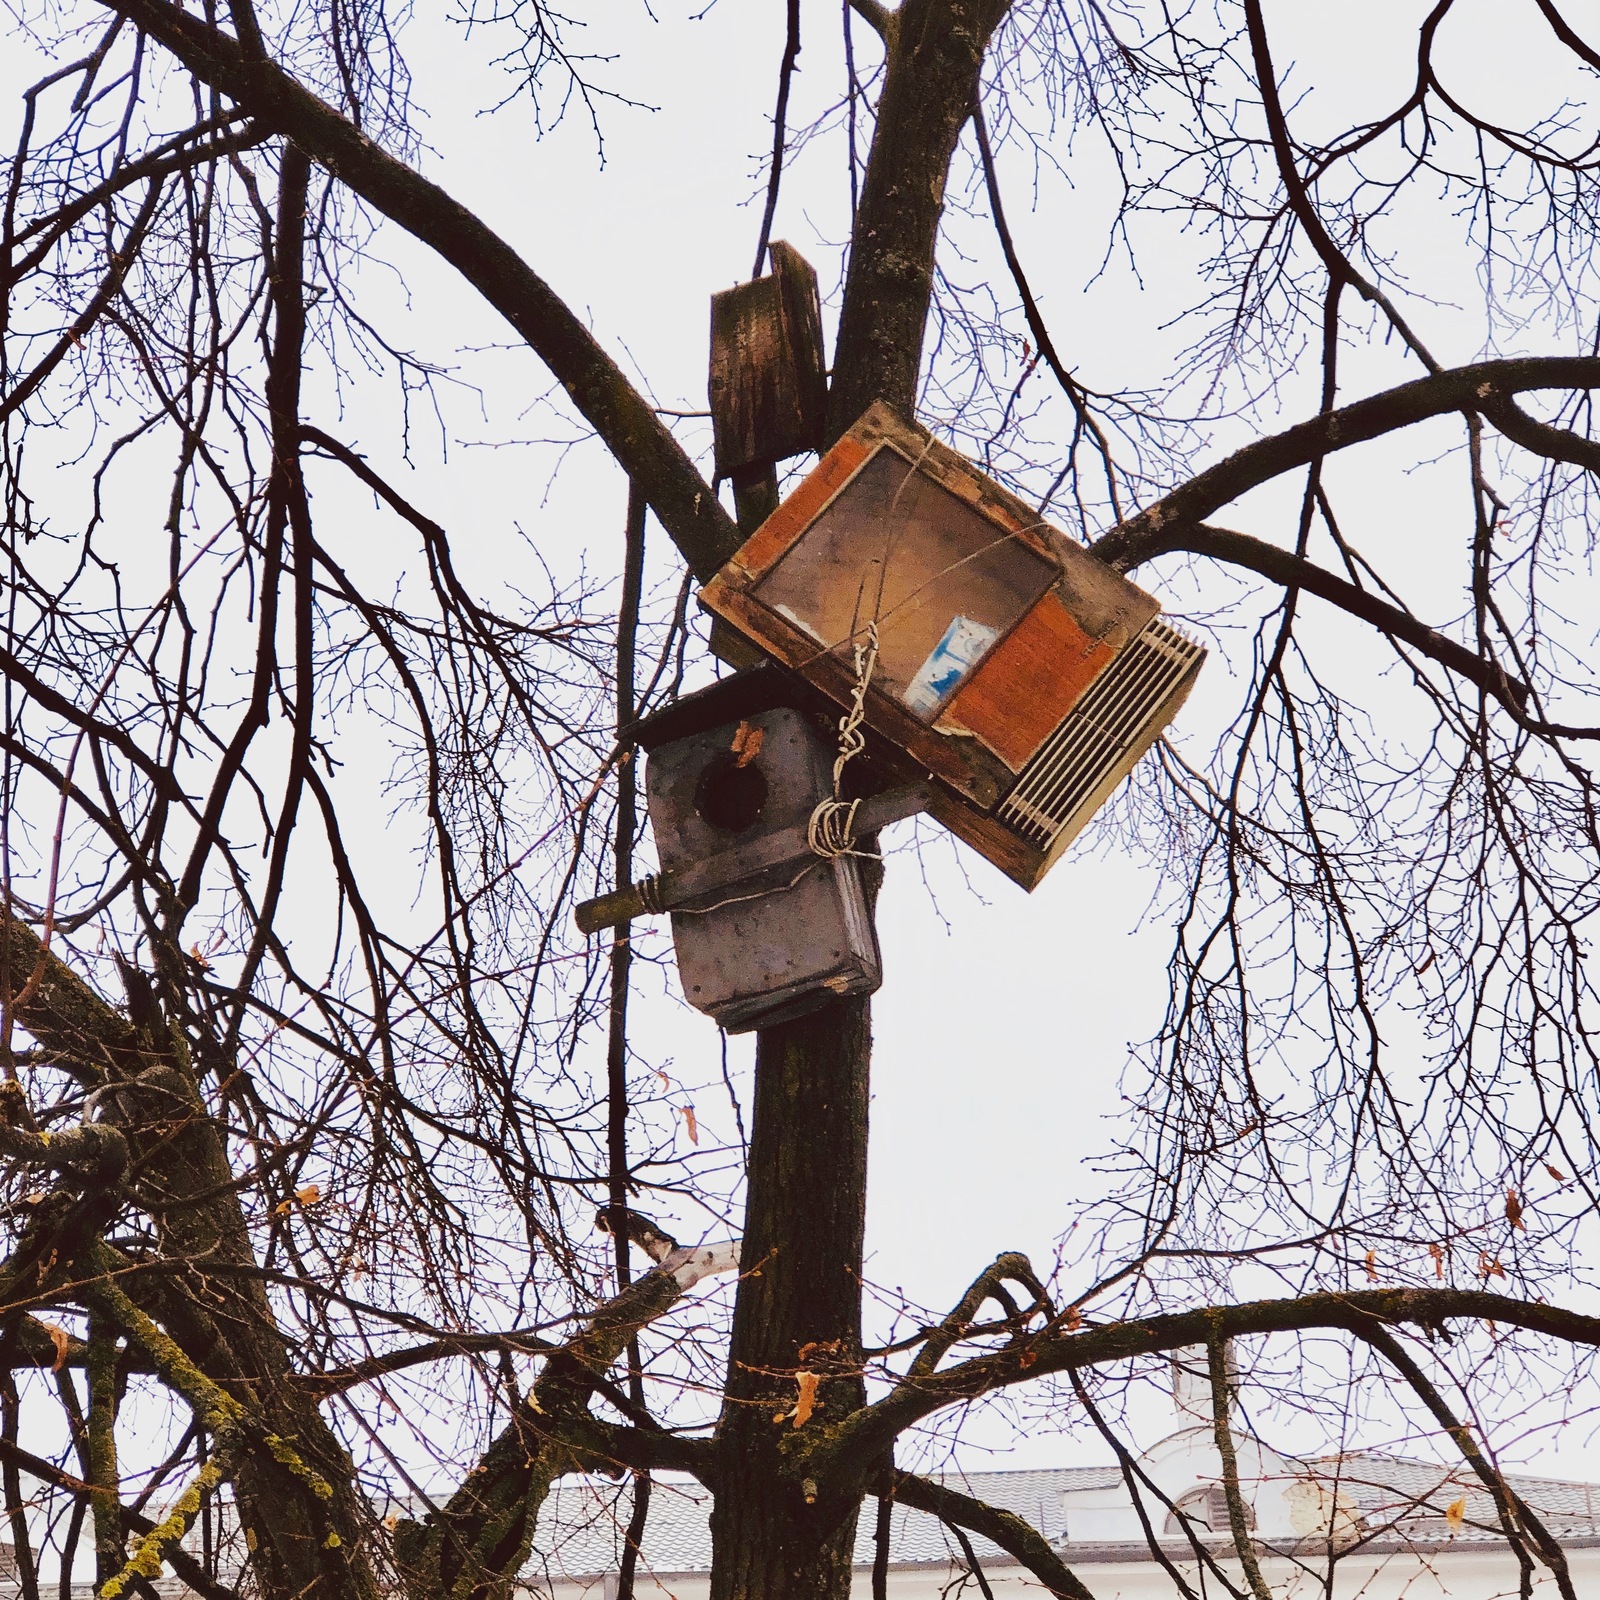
pixel 781 941
pixel 768 388
pixel 731 867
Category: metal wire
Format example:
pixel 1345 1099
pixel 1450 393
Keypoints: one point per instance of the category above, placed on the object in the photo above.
pixel 831 831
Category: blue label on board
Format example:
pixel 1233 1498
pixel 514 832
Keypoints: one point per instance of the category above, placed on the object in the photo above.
pixel 956 654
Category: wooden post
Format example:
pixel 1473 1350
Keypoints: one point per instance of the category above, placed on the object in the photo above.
pixel 768 391
pixel 767 386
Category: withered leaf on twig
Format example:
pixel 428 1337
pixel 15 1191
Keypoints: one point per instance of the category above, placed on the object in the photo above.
pixel 746 744
pixel 806 1403
pixel 60 1338
pixel 308 1195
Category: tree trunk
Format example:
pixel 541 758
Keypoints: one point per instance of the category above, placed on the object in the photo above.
pixel 775 1535
pixel 935 51
pixel 798 1309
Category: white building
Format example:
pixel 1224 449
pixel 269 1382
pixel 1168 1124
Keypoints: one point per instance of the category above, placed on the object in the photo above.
pixel 1361 1526
pixel 1385 1527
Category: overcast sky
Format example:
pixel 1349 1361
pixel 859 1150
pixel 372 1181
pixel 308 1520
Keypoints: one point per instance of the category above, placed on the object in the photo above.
pixel 1005 1019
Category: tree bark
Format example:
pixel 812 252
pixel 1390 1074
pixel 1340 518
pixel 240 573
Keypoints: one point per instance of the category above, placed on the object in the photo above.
pixel 934 54
pixel 799 1291
pixel 774 1536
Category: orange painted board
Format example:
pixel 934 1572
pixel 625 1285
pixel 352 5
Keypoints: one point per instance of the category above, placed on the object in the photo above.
pixel 773 538
pixel 1023 691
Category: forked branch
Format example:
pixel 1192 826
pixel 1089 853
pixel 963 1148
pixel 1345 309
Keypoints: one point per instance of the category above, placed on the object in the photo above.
pixel 624 420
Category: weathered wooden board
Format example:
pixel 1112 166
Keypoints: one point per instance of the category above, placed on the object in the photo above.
pixel 1011 662
pixel 795 935
pixel 768 386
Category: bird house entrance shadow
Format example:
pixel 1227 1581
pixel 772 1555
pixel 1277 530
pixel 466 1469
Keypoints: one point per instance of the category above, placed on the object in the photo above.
pixel 731 794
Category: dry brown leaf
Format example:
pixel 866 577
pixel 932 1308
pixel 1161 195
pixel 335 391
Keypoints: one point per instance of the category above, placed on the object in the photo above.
pixel 60 1339
pixel 806 1403
pixel 819 1347
pixel 690 1124
pixel 1371 1265
pixel 1489 1266
pixel 1514 1210
pixel 1074 1319
pixel 308 1195
pixel 1555 1172
pixel 1438 1260
pixel 1456 1512
pixel 199 960
pixel 747 742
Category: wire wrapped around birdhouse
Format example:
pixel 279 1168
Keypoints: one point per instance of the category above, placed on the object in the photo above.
pixel 832 828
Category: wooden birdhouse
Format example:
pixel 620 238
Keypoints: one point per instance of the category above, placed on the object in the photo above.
pixel 1021 674
pixel 775 930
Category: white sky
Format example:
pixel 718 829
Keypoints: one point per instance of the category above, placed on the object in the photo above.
pixel 1005 1018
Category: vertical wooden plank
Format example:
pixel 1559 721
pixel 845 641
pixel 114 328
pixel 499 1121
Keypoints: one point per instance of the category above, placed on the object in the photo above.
pixel 801 306
pixel 767 387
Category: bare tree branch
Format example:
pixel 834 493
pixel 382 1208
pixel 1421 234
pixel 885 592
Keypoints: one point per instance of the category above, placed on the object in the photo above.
pixel 625 422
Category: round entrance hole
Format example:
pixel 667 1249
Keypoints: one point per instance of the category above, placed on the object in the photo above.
pixel 728 796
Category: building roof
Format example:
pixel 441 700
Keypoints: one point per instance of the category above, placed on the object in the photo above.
pixel 1417 1497
pixel 1402 1504
pixel 582 1524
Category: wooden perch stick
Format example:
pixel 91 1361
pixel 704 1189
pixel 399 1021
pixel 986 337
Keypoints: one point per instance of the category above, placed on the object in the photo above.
pixel 676 888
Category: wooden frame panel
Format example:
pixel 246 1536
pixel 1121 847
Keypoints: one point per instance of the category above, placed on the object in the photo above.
pixel 1011 697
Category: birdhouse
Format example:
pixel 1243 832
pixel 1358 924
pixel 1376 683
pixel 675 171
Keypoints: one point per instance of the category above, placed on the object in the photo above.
pixel 781 930
pixel 1020 673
